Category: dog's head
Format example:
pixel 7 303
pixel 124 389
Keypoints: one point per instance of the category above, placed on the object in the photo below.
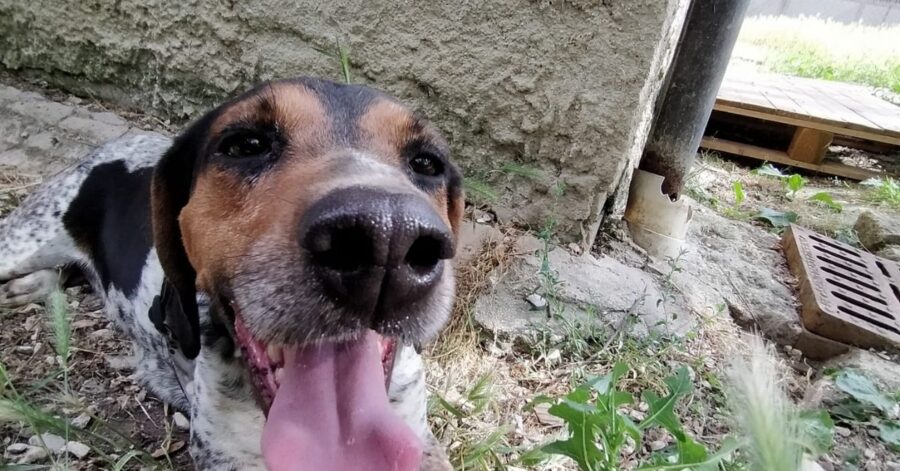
pixel 321 218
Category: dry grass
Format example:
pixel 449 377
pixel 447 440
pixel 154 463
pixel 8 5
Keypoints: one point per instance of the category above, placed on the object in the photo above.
pixel 14 185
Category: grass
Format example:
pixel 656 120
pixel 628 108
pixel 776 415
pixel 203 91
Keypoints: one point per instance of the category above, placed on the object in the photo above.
pixel 825 49
pixel 46 405
pixel 884 191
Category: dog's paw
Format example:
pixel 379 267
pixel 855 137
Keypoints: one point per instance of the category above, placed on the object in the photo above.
pixel 30 288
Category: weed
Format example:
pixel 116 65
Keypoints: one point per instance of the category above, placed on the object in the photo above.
pixel 884 190
pixel 825 198
pixel 867 405
pixel 38 415
pixel 793 184
pixel 530 173
pixel 478 449
pixel 739 195
pixel 549 278
pixel 598 430
pixel 777 435
pixel 778 219
pixel 479 190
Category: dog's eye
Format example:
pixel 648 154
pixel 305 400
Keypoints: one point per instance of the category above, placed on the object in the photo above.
pixel 426 164
pixel 245 145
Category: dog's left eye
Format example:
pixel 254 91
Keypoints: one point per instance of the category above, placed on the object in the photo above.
pixel 426 164
pixel 245 145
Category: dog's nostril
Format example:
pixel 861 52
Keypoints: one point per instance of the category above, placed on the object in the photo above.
pixel 346 249
pixel 424 253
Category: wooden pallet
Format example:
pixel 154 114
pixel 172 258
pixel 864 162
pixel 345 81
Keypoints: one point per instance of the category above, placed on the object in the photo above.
pixel 818 110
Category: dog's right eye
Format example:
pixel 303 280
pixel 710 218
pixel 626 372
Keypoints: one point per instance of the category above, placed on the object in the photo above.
pixel 245 145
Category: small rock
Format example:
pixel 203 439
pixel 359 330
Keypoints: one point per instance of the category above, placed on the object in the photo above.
pixel 80 450
pixel 575 248
pixel 842 431
pixel 869 453
pixel 54 443
pixel 24 349
pixel 876 230
pixel 81 421
pixel 181 421
pixel 34 454
pixel 537 301
pixel 17 448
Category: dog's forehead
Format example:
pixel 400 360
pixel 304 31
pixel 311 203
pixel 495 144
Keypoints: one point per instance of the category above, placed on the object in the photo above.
pixel 327 112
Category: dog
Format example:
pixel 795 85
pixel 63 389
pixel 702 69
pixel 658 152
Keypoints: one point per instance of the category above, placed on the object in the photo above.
pixel 276 267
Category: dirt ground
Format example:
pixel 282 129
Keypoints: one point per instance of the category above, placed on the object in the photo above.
pixel 480 383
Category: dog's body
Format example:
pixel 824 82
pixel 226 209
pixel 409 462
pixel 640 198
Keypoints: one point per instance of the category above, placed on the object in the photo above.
pixel 211 248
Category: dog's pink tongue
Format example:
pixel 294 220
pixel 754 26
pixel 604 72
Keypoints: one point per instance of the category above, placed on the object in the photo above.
pixel 331 412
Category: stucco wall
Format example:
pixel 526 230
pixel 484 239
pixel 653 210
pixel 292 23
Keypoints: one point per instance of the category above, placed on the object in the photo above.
pixel 543 101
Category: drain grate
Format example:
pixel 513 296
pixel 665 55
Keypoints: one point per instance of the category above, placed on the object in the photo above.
pixel 846 294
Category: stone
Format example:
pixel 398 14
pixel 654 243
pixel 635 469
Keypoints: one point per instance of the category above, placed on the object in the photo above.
pixel 181 421
pixel 472 237
pixel 876 230
pixel 537 301
pixel 45 111
pixel 587 290
pixel 823 392
pixel 54 443
pixel 17 448
pixel 742 266
pixel 34 454
pixel 78 449
pixel 81 421
pixel 102 334
pixel 890 252
pixel 92 131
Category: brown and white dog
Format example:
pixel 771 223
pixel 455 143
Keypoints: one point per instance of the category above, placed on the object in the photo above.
pixel 275 266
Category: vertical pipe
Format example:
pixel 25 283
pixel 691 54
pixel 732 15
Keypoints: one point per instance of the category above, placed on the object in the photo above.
pixel 709 34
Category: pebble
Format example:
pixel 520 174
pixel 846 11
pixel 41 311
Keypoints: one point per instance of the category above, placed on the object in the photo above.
pixel 17 448
pixel 869 453
pixel 537 301
pixel 102 334
pixel 80 450
pixel 34 454
pixel 53 442
pixel 657 445
pixel 81 421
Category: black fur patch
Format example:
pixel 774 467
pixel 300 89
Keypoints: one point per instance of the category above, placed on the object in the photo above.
pixel 110 219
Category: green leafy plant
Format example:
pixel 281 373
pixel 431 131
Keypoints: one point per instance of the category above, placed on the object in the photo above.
pixel 825 198
pixel 867 404
pixel 793 184
pixel 777 219
pixel 598 430
pixel 768 170
pixel 739 195
pixel 884 190
pixel 530 173
pixel 479 190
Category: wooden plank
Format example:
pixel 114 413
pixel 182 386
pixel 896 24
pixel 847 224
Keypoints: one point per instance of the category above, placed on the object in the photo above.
pixel 797 120
pixel 781 157
pixel 829 106
pixel 809 145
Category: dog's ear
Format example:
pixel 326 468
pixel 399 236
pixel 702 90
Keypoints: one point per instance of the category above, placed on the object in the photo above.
pixel 456 199
pixel 170 190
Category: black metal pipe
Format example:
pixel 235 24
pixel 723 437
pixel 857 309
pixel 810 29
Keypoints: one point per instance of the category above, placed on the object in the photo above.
pixel 710 31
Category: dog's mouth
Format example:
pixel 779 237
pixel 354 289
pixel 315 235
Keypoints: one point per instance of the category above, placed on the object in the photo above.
pixel 326 404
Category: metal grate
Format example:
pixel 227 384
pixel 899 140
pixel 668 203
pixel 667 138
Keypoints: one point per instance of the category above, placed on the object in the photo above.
pixel 846 294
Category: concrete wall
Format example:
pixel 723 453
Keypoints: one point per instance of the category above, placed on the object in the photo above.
pixel 545 102
pixel 869 12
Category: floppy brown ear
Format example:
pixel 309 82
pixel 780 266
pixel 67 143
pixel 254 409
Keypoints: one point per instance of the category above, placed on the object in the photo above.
pixel 170 190
pixel 456 200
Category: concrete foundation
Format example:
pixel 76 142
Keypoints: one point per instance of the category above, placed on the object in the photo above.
pixel 546 103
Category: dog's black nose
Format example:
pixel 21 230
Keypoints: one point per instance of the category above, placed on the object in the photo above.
pixel 373 250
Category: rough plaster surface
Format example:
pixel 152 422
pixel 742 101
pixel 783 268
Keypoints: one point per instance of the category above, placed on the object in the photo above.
pixel 562 87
